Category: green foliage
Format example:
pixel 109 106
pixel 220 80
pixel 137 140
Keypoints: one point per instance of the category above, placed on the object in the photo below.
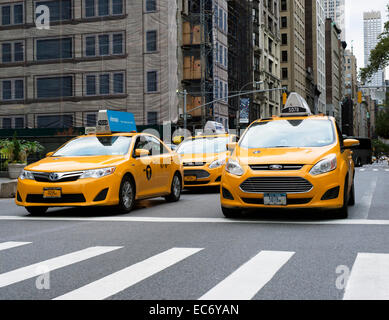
pixel 17 150
pixel 379 56
pixel 380 148
pixel 382 124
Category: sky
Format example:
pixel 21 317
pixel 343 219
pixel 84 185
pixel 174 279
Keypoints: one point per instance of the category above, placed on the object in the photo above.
pixel 354 24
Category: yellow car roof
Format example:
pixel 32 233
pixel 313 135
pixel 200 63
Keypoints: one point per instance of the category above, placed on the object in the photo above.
pixel 275 118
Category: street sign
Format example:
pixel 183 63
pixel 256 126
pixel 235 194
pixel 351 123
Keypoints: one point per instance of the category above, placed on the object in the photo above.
pixel 188 116
pixel 244 110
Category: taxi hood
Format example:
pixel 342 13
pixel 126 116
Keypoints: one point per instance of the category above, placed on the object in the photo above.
pixel 64 164
pixel 293 155
pixel 206 157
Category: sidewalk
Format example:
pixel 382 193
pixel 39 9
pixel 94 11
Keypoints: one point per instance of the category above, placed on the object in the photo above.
pixel 7 187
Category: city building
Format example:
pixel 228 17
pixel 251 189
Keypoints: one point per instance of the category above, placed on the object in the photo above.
pixel 349 106
pixel 372 28
pixel 335 10
pixel 315 59
pixel 292 28
pixel 334 70
pixel 95 55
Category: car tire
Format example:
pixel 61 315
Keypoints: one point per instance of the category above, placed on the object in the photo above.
pixel 342 213
pixel 175 189
pixel 351 200
pixel 36 211
pixel 126 195
pixel 230 213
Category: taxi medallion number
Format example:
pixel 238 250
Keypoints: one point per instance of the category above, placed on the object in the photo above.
pixel 52 193
pixel 190 178
pixel 274 199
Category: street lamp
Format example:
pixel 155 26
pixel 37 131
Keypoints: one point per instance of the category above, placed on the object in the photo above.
pixel 240 92
pixel 184 93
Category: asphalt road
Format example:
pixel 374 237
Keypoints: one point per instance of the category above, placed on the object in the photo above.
pixel 188 250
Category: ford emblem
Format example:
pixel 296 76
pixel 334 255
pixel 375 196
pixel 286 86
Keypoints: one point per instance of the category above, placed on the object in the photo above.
pixel 275 167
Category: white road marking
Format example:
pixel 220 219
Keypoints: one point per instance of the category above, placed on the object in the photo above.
pixel 247 280
pixel 367 198
pixel 369 278
pixel 125 278
pixel 32 271
pixel 198 220
pixel 362 169
pixel 12 244
pixel 387 170
pixel 375 169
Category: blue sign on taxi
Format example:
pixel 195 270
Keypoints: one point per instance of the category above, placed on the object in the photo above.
pixel 115 121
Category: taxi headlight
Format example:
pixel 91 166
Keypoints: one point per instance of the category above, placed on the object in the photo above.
pixel 217 163
pixel 234 167
pixel 325 165
pixel 26 175
pixel 97 173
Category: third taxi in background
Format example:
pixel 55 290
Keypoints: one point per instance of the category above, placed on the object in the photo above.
pixel 297 160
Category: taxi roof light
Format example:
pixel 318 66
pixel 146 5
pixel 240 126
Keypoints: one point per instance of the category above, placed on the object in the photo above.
pixel 296 106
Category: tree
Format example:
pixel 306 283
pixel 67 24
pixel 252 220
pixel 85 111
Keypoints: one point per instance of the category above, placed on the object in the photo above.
pixel 379 56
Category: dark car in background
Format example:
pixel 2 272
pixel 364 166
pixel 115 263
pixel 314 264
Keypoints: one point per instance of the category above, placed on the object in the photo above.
pixel 363 153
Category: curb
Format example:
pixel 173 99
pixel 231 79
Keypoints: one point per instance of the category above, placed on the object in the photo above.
pixel 8 189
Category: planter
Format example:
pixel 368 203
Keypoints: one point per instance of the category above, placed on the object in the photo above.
pixel 15 169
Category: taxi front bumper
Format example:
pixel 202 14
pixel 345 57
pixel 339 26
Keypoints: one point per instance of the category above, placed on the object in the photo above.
pixel 82 192
pixel 324 191
pixel 200 176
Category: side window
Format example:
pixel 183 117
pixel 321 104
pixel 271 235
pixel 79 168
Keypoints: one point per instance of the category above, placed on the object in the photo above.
pixel 340 136
pixel 155 146
pixel 141 143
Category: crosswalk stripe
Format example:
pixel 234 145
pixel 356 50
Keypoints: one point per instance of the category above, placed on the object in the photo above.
pixel 369 278
pixel 125 278
pixel 11 244
pixel 251 277
pixel 362 169
pixel 375 169
pixel 36 269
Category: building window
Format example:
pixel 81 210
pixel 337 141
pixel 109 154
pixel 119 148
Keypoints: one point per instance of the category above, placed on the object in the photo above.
pixel 284 22
pixel 7 123
pixel 104 84
pixel 226 92
pixel 152 118
pixel 283 5
pixel 91 85
pixel 118 83
pixel 151 5
pixel 107 83
pixel 284 56
pixel 152 81
pixel 55 121
pixel 12 89
pixel 60 10
pixel 53 49
pixel 151 41
pixel 284 73
pixel 225 57
pixel 12 52
pixel 12 14
pixel 19 123
pixel 104 45
pixel 103 8
pixel 220 18
pixel 284 39
pixel 91 120
pixel 270 66
pixel 54 87
pixel 12 123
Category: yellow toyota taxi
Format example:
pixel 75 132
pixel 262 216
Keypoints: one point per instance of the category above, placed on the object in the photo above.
pixel 203 158
pixel 296 160
pixel 102 170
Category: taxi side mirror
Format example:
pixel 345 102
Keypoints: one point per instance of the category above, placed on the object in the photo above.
pixel 231 146
pixel 141 152
pixel 348 143
pixel 49 154
pixel 177 139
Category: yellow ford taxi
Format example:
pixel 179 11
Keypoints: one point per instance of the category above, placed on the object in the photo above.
pixel 203 158
pixel 297 160
pixel 110 169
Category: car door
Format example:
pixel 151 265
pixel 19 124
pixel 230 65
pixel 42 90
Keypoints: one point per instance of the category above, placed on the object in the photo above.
pixel 346 155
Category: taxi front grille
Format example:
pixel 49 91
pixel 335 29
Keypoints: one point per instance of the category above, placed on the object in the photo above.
pixel 59 177
pixel 200 174
pixel 276 184
pixel 194 164
pixel 65 198
pixel 271 167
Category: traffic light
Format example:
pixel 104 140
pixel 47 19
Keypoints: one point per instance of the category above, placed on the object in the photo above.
pixel 359 96
pixel 284 98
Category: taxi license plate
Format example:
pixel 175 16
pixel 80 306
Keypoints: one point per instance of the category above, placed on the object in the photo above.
pixel 52 193
pixel 190 178
pixel 274 199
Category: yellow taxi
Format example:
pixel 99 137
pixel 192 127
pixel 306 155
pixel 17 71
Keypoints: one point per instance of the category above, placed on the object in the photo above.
pixel 110 169
pixel 296 160
pixel 203 158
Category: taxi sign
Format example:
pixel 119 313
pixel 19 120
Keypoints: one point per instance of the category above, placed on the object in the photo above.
pixel 296 106
pixel 109 121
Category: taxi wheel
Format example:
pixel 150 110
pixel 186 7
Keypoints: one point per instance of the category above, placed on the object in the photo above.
pixel 36 211
pixel 126 195
pixel 351 200
pixel 176 189
pixel 230 213
pixel 342 213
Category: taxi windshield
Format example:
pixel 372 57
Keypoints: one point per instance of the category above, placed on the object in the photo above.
pixel 204 145
pixel 95 146
pixel 289 133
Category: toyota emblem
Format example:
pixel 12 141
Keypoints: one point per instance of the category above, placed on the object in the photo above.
pixel 53 176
